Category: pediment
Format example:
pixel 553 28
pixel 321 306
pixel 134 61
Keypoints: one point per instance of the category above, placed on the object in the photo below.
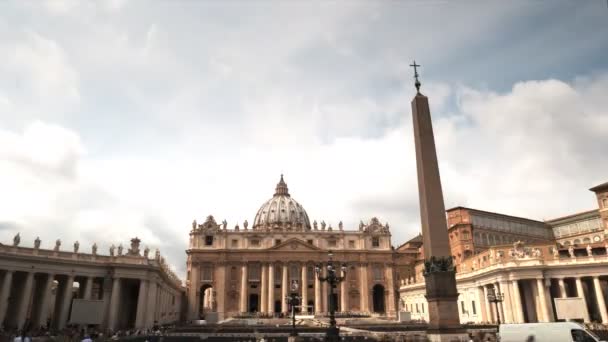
pixel 294 244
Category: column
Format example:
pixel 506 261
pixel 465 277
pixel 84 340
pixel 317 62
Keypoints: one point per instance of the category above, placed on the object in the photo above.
pixel 488 306
pixel 344 295
pixel 264 290
pixel 482 313
pixel 580 293
pixel 542 298
pixel 601 303
pixel 505 305
pixel 243 305
pixel 24 301
pixel 324 292
pixel 5 294
pixel 45 301
pixel 193 299
pixel 151 306
pixel 562 288
pixel 318 308
pixel 391 290
pixel 220 289
pixel 142 299
pixel 518 316
pixel 67 300
pixel 284 287
pixel 304 287
pixel 88 288
pixel 271 289
pixel 114 302
pixel 363 288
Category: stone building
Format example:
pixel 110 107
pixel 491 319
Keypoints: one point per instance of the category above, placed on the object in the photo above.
pixel 530 262
pixel 248 270
pixel 41 286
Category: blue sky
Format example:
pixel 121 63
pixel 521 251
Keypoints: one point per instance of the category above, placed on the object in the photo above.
pixel 135 117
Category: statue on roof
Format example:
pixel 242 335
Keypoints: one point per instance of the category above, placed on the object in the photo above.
pixel 340 225
pixel 224 224
pixel 194 225
pixel 16 240
pixel 146 252
pixel 120 248
pixel 589 250
pixel 314 224
pixel 57 245
pixel 323 224
pixel 94 248
pixel 571 251
pixel 112 248
pixel 361 225
pixel 37 242
pixel 76 246
pixel 245 224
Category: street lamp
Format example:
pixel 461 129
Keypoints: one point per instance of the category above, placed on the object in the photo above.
pixel 332 279
pixel 293 300
pixel 495 298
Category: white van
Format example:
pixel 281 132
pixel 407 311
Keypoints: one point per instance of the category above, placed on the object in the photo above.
pixel 545 332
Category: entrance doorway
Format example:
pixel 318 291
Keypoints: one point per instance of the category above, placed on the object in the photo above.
pixel 206 297
pixel 378 298
pixel 277 306
pixel 254 302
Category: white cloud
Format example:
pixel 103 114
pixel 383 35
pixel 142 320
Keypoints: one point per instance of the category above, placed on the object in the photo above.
pixel 120 119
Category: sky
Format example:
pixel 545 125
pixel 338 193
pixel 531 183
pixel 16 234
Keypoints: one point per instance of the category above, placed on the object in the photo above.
pixel 127 118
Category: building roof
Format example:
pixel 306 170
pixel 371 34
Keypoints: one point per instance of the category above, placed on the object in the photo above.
pixel 599 187
pixel 573 217
pixel 496 214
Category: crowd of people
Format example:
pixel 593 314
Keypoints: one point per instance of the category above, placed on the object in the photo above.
pixel 75 334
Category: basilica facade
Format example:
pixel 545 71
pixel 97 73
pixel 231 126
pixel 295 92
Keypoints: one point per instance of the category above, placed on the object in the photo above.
pixel 249 270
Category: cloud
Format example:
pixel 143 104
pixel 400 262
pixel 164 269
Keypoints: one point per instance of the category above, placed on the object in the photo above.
pixel 122 119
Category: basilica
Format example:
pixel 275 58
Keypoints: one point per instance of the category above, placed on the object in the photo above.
pixel 248 270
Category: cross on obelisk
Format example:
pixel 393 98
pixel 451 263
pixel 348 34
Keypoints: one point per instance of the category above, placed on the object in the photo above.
pixel 439 274
pixel 417 84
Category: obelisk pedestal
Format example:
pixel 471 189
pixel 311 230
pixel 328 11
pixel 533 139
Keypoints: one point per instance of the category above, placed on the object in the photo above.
pixel 439 273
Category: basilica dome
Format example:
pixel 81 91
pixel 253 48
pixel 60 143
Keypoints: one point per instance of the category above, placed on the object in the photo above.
pixel 281 212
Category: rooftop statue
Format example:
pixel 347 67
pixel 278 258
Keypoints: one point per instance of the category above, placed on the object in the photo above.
pixel 112 248
pixel 120 248
pixel 245 224
pixel 94 248
pixel 57 245
pixel 37 242
pixel 16 240
pixel 76 246
pixel 340 226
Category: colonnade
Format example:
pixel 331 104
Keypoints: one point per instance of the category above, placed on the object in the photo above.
pixel 274 284
pixel 538 299
pixel 45 299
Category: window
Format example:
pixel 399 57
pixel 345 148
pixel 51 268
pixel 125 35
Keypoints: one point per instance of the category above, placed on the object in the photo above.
pixel 466 235
pixel 235 243
pixel 331 243
pixel 351 244
pixel 375 242
pixel 462 306
pixel 309 242
pixel 254 272
pixel 605 202
pixel 255 243
pixel 473 307
pixel 579 335
pixel 208 240
pixel 207 274
pixel 277 242
pixel 378 274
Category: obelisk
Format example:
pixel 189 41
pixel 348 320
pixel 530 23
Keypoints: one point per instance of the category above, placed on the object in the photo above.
pixel 440 277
